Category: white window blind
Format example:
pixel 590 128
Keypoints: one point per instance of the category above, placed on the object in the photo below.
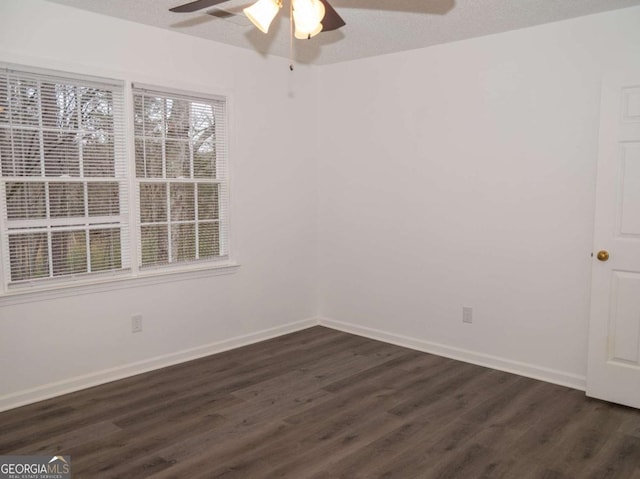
pixel 181 177
pixel 63 180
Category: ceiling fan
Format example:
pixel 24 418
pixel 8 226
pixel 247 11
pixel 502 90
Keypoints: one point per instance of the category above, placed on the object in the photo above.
pixel 307 17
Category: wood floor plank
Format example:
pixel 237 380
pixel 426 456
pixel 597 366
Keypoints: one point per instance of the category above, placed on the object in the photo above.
pixel 108 456
pixel 68 440
pixel 324 404
pixel 618 460
pixel 333 443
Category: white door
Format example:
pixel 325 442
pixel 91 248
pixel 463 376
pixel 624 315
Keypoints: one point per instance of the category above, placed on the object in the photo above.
pixel 614 336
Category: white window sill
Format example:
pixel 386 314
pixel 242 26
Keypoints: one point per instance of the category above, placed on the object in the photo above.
pixel 111 283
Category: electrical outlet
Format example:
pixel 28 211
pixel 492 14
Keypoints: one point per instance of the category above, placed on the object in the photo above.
pixel 136 323
pixel 467 315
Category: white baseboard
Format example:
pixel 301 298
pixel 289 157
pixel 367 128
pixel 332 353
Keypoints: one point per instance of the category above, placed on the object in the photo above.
pixel 502 364
pixel 77 383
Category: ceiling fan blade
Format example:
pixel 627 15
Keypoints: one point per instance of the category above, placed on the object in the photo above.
pixel 195 6
pixel 331 20
pixel 220 13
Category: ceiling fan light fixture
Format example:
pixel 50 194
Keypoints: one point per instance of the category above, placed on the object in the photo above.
pixel 307 16
pixel 262 13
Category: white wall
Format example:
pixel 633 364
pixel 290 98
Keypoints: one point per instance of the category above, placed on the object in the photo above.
pixel 58 344
pixel 463 175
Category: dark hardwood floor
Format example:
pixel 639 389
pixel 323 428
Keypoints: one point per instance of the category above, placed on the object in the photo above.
pixel 325 404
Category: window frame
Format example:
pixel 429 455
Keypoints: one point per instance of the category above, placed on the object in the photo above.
pixel 223 181
pixel 133 275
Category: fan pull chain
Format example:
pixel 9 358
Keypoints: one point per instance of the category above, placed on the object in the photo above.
pixel 291 35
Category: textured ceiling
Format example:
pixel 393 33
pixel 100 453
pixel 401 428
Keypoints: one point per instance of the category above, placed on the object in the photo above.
pixel 374 27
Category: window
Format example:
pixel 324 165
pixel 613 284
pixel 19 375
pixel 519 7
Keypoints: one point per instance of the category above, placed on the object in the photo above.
pixel 180 157
pixel 65 178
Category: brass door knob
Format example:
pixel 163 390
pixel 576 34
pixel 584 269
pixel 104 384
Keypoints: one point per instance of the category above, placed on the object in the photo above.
pixel 603 255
